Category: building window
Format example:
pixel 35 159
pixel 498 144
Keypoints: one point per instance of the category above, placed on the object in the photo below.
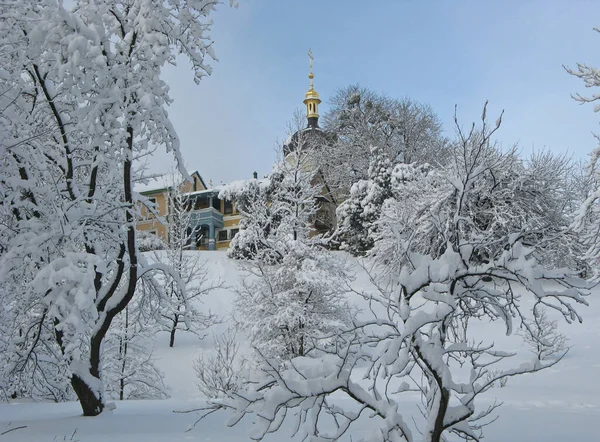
pixel 222 235
pixel 152 205
pixel 201 203
pixel 233 233
pixel 228 208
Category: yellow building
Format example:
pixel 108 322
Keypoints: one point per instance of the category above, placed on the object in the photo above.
pixel 214 222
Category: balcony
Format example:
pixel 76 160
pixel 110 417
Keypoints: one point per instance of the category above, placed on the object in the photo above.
pixel 208 216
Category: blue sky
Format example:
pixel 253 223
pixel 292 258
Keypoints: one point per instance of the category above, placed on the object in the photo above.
pixel 443 53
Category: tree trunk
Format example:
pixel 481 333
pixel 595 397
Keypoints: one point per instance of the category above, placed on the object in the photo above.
pixel 122 379
pixel 173 330
pixel 438 430
pixel 91 404
pixel 123 353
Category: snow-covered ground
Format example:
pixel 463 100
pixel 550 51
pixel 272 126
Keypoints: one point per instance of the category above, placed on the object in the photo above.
pixel 559 404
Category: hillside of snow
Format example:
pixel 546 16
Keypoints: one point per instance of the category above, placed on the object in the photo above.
pixel 559 404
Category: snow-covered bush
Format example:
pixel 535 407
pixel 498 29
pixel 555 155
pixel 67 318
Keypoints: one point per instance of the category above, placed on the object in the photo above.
pixel 220 372
pixel 148 242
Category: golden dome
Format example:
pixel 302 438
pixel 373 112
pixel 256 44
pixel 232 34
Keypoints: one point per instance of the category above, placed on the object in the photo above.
pixel 311 98
pixel 312 94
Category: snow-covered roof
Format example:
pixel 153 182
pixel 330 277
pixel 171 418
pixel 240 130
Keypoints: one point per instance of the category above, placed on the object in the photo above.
pixel 155 183
pixel 215 189
pixel 159 182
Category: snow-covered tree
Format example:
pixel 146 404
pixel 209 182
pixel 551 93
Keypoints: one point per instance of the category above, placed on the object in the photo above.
pixel 292 300
pixel 86 100
pixel 587 221
pixel 258 217
pixel 542 336
pixel 359 118
pixel 356 216
pixel 295 306
pixel 188 282
pixel 128 367
pixel 444 263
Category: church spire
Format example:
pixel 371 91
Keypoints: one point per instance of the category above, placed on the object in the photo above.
pixel 311 99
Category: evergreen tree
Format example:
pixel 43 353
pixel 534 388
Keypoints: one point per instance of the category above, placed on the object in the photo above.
pixel 292 301
pixel 357 215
